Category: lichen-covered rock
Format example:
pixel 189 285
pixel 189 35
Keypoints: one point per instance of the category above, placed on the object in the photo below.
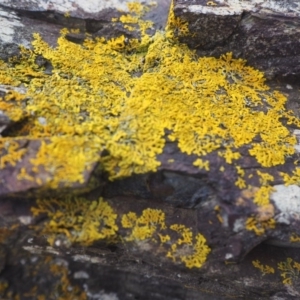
pixel 266 33
pixel 137 243
pixel 124 154
pixel 21 19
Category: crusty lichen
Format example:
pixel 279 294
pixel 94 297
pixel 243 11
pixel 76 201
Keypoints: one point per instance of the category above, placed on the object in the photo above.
pixel 151 221
pixel 290 179
pixel 189 248
pixel 186 247
pixel 77 219
pixel 11 152
pixel 176 27
pixel 13 111
pixel 289 270
pixel 121 95
pixel 262 195
pixel 294 238
pixel 265 269
pixel 259 227
pixel 64 289
pixel 202 164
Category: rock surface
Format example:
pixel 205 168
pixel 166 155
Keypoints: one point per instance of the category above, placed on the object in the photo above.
pixel 266 33
pixel 21 19
pixel 182 232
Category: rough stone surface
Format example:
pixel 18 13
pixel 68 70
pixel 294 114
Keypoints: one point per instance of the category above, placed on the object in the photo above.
pixel 242 263
pixel 266 33
pixel 10 184
pixel 21 19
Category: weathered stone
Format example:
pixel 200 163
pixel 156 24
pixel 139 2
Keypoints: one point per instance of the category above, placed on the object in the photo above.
pixel 137 268
pixel 21 19
pixel 25 178
pixel 151 235
pixel 266 33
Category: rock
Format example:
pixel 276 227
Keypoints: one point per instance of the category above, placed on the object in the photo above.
pixel 11 116
pixel 138 266
pixel 21 19
pixel 266 33
pixel 22 174
pixel 101 201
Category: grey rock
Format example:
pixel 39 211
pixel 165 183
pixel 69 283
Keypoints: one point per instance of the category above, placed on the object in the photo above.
pixel 266 33
pixel 20 19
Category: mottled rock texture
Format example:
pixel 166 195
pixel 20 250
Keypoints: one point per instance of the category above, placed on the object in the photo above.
pixel 182 232
pixel 266 33
pixel 20 19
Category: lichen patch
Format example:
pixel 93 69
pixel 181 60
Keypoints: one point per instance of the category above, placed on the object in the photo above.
pixel 122 95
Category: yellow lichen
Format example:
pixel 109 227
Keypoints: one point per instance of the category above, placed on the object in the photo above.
pixel 265 269
pixel 187 248
pixel 137 10
pixel 11 154
pixel 164 238
pixel 291 179
pixel 79 220
pixel 229 155
pixel 294 238
pixel 121 95
pixel 211 3
pixel 259 227
pixel 151 221
pixel 218 213
pixel 64 290
pixel 262 195
pixel 240 182
pixel 289 271
pixel 240 171
pixel 23 175
pixel 191 250
pixel 176 25
pixel 12 105
pixel 77 154
pixel 136 7
pixel 265 178
pixel 202 164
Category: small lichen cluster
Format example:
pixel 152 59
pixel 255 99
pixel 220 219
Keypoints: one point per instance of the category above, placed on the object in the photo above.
pixel 259 227
pixel 144 227
pixel 122 95
pixel 64 286
pixel 176 27
pixel 289 271
pixel 186 247
pixel 265 269
pixel 13 152
pixel 290 179
pixel 191 250
pixel 294 238
pixel 77 219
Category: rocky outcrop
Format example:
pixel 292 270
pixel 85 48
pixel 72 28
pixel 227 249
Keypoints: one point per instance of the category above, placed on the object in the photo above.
pixel 79 219
pixel 21 19
pixel 266 33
